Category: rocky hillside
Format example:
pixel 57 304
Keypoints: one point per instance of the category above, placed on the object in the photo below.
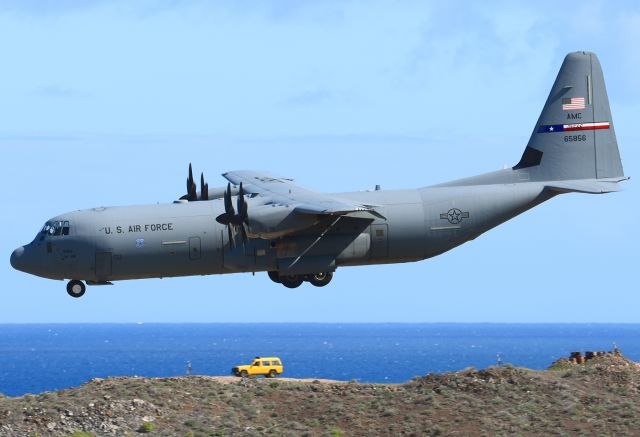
pixel 601 397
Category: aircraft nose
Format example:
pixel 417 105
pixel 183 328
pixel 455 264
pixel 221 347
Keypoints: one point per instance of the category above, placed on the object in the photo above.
pixel 17 258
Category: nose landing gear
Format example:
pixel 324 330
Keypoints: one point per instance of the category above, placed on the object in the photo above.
pixel 76 288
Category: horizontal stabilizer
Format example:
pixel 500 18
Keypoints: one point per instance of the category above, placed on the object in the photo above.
pixel 588 186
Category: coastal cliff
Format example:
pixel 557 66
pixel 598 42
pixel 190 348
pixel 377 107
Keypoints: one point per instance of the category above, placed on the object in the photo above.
pixel 599 397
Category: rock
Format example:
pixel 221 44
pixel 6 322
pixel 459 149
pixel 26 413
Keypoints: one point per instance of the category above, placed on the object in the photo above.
pixel 138 402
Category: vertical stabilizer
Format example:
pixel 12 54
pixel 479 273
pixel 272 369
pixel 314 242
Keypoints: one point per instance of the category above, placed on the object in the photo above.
pixel 574 137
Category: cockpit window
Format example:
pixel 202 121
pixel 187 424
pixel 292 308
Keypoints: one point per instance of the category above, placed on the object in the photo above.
pixel 54 229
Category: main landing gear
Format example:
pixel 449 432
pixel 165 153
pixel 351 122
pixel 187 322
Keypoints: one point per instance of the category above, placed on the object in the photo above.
pixel 294 281
pixel 76 288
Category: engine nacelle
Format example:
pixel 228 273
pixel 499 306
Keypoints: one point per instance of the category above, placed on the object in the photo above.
pixel 275 221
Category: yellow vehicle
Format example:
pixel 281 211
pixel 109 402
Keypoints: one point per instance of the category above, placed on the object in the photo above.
pixel 270 367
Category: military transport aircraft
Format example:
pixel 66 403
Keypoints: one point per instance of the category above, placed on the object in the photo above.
pixel 261 222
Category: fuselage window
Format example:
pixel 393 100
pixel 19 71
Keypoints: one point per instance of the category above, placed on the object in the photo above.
pixel 54 229
pixel 44 231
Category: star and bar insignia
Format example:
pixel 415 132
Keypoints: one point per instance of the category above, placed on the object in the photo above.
pixel 454 216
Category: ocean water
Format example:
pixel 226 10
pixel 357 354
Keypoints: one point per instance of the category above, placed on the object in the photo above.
pixel 38 358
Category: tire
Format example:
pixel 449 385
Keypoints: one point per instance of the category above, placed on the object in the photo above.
pixel 76 288
pixel 244 374
pixel 272 374
pixel 320 279
pixel 291 281
pixel 274 276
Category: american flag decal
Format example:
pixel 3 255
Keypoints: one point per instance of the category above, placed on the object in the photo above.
pixel 573 103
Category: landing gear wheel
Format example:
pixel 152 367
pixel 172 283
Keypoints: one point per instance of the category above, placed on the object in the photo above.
pixel 291 281
pixel 273 373
pixel 76 288
pixel 244 374
pixel 274 276
pixel 320 279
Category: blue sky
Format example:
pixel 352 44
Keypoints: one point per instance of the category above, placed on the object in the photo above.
pixel 106 103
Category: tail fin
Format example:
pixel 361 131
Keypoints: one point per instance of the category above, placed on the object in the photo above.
pixel 574 137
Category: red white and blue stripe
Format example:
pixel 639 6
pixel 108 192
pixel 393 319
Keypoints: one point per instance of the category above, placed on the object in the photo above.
pixel 549 128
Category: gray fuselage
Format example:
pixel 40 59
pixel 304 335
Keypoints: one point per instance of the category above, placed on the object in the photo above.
pixel 183 238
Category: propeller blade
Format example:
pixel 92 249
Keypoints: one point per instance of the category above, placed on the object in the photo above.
pixel 204 188
pixel 191 186
pixel 240 201
pixel 189 179
pixel 232 242
pixel 244 214
pixel 228 204
pixel 243 208
pixel 243 231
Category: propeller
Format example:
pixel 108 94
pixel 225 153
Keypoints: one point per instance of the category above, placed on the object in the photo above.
pixel 192 193
pixel 232 219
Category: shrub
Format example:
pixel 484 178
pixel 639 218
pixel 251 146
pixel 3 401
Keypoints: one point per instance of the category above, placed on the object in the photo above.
pixel 561 365
pixel 146 427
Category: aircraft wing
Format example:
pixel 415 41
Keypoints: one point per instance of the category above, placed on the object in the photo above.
pixel 284 192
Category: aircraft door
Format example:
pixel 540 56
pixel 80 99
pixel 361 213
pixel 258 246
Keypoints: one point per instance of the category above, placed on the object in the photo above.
pixel 194 248
pixel 379 241
pixel 103 265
